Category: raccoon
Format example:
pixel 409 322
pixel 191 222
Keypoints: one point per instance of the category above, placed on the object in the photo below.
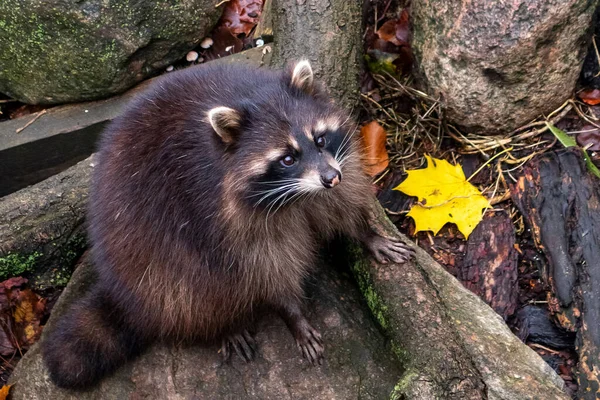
pixel 212 194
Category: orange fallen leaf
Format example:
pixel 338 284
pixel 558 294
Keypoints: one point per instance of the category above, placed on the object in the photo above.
pixel 387 32
pixel 396 31
pixel 4 391
pixel 374 138
pixel 590 96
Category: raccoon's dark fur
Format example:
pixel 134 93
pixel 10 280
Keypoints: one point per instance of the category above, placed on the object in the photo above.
pixel 211 196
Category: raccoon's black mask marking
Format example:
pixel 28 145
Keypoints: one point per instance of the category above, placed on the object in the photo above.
pixel 302 161
pixel 285 145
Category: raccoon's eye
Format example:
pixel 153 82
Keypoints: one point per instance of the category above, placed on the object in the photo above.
pixel 287 161
pixel 320 141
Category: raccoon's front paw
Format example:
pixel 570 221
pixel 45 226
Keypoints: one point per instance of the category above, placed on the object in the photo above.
pixel 310 343
pixel 389 249
pixel 242 343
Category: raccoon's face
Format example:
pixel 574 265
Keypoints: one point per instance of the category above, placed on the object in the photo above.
pixel 304 160
pixel 297 147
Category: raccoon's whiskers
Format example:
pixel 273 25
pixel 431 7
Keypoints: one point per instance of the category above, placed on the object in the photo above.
pixel 303 192
pixel 281 184
pixel 347 153
pixel 345 145
pixel 271 192
pixel 278 182
pixel 294 187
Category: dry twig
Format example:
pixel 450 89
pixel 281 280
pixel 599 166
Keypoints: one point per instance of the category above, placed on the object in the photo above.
pixel 37 115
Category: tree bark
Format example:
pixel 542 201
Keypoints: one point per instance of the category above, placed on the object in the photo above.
pixel 490 266
pixel 452 345
pixel 42 225
pixel 561 203
pixel 328 34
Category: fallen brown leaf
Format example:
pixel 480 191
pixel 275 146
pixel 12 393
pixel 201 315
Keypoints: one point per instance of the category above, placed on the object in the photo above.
pixel 374 138
pixel 590 96
pixel 589 138
pixel 28 312
pixel 21 312
pixel 387 32
pixel 241 16
pixel 396 31
pixel 392 38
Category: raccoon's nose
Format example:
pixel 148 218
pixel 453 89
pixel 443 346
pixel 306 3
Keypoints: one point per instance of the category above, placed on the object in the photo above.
pixel 331 178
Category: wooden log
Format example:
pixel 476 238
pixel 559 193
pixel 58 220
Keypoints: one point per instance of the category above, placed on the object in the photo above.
pixel 561 202
pixel 42 228
pixel 489 268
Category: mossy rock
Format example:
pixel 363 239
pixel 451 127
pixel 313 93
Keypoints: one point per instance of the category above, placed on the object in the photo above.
pixel 64 51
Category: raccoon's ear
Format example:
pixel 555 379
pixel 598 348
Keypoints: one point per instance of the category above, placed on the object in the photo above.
pixel 303 77
pixel 225 121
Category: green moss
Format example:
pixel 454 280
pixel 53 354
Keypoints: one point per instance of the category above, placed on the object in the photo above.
pixel 51 267
pixel 14 264
pixel 360 267
pixel 73 249
pixel 399 391
pixel 59 275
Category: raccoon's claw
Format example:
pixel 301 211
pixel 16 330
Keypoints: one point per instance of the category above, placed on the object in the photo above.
pixel 242 343
pixel 310 343
pixel 389 249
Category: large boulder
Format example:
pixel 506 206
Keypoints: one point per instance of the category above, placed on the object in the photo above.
pixel 359 364
pixel 59 51
pixel 499 64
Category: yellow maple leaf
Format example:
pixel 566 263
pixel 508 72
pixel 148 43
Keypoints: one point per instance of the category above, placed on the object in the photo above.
pixel 445 196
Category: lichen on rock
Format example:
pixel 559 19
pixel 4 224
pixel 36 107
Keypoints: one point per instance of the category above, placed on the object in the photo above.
pixel 498 65
pixel 64 51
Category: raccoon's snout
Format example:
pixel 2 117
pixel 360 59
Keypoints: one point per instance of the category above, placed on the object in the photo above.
pixel 331 178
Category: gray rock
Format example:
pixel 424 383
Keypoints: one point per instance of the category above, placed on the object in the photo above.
pixel 499 64
pixel 359 364
pixel 59 51
pixel 66 134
